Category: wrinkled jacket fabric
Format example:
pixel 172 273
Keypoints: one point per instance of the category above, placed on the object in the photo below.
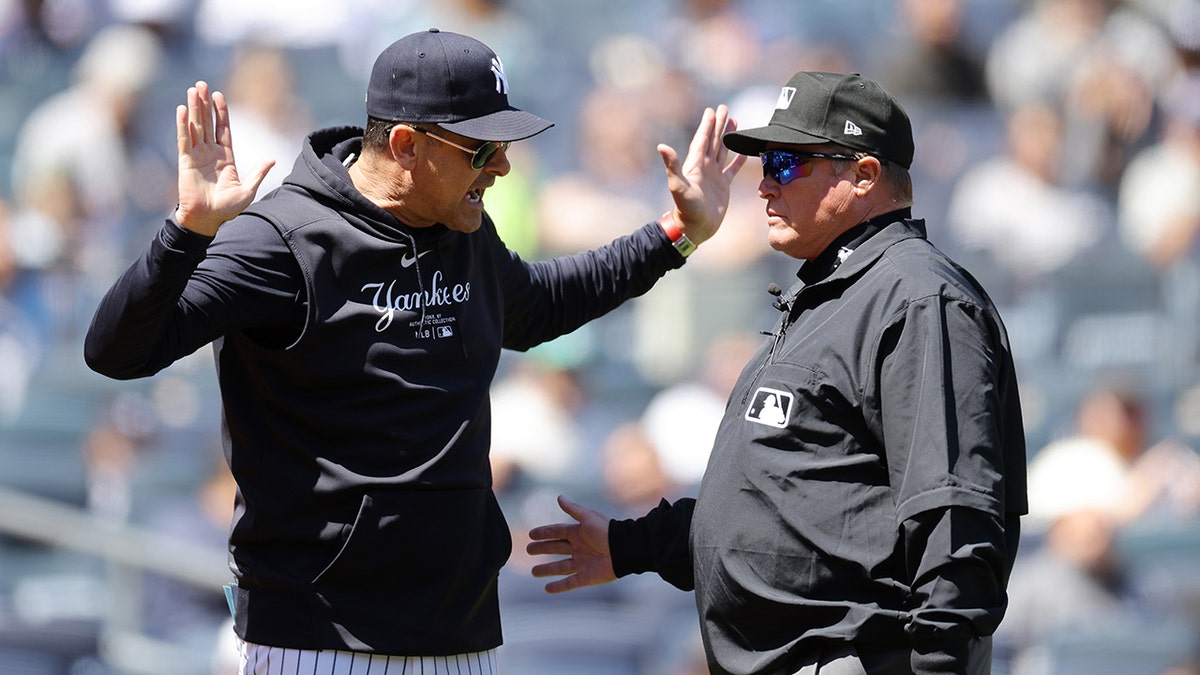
pixel 866 480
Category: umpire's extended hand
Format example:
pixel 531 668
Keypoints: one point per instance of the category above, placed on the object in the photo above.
pixel 584 542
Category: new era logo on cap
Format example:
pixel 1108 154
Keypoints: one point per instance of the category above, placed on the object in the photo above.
pixel 852 129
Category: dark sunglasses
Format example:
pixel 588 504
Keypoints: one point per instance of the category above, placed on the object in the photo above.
pixel 786 166
pixel 479 156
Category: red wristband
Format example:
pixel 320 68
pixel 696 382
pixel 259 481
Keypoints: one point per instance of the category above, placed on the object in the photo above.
pixel 678 239
pixel 667 222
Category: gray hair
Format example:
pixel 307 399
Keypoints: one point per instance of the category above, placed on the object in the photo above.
pixel 895 177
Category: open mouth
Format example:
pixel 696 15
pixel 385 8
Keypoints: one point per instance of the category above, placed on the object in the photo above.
pixel 475 196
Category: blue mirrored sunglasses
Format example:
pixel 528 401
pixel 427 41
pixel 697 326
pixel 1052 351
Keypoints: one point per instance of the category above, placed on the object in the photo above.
pixel 786 166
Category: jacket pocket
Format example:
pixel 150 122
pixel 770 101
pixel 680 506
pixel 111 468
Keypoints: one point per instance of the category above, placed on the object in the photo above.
pixel 418 537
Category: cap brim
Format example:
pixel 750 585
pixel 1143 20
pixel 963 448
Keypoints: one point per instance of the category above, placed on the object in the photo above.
pixel 503 125
pixel 754 141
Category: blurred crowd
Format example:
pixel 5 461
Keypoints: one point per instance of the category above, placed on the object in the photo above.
pixel 1058 158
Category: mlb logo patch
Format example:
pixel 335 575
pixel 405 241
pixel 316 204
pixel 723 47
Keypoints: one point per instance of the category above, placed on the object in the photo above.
pixel 770 407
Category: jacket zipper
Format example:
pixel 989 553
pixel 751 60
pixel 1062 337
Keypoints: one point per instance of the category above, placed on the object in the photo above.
pixel 777 336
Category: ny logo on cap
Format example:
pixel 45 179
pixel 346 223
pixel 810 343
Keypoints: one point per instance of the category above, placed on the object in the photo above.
pixel 785 98
pixel 501 78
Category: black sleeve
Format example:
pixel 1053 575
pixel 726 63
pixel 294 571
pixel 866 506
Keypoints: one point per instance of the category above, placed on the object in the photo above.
pixel 548 298
pixel 959 560
pixel 187 290
pixel 659 541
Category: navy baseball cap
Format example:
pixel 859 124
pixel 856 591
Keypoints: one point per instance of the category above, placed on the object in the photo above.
pixel 450 80
pixel 849 110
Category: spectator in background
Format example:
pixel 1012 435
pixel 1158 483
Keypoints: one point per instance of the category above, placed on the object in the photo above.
pixel 934 65
pixel 112 454
pixel 1036 55
pixel 1100 62
pixel 1072 582
pixel 704 28
pixel 535 434
pixel 642 94
pixel 1159 197
pixel 1110 476
pixel 635 478
pixel 178 612
pixel 170 20
pixel 637 95
pixel 285 23
pixel 73 174
pixel 270 121
pixel 1182 19
pixel 20 344
pixel 1110 464
pixel 65 198
pixel 577 210
pixel 60 25
pixel 1014 211
pixel 369 24
pixel 639 68
pixel 683 449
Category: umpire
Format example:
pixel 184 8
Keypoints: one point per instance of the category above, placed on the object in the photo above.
pixel 860 509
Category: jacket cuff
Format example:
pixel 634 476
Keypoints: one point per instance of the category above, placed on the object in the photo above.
pixel 657 542
pixel 177 237
pixel 940 656
pixel 630 546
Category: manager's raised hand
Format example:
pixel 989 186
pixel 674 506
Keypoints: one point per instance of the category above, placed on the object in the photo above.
pixel 700 185
pixel 210 190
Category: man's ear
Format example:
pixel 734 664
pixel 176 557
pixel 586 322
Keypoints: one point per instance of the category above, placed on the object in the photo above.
pixel 402 142
pixel 866 174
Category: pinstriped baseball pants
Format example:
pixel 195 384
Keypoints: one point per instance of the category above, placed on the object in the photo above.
pixel 264 660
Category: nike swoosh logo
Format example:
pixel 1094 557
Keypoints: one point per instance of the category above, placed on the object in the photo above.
pixel 407 259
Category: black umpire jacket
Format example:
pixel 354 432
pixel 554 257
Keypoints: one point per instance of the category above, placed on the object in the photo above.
pixel 866 481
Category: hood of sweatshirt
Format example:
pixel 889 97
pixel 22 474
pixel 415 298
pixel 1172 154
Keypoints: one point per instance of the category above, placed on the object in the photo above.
pixel 321 169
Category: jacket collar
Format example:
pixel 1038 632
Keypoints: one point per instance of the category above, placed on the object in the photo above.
pixel 860 246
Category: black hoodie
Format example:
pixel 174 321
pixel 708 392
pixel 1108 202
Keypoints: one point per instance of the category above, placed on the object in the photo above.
pixel 354 355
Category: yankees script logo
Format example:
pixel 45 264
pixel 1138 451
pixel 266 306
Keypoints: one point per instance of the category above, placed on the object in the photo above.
pixel 387 302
